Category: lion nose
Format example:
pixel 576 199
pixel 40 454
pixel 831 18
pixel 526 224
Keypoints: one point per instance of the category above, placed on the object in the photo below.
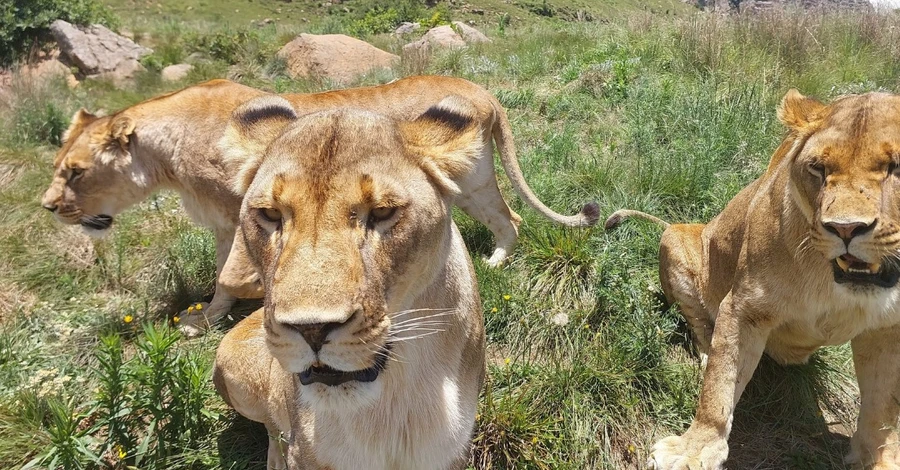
pixel 49 206
pixel 315 334
pixel 846 231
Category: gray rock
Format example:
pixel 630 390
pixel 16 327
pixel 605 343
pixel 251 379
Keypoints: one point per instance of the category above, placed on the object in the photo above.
pixel 447 37
pixel 96 50
pixel 174 73
pixel 124 72
pixel 197 58
pixel 406 27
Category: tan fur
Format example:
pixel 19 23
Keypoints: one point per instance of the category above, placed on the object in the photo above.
pixel 359 287
pixel 171 142
pixel 759 277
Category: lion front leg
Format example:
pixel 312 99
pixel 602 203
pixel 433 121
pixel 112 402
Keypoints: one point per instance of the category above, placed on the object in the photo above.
pixel 252 382
pixel 195 321
pixel 876 358
pixel 238 276
pixel 736 348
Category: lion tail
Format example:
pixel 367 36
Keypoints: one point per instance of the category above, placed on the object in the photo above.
pixel 502 132
pixel 620 215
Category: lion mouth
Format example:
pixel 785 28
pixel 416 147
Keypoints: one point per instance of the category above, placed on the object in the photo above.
pixel 333 377
pixel 849 269
pixel 96 222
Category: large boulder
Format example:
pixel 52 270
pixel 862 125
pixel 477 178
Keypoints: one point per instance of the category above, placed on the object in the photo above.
pixel 97 51
pixel 456 35
pixel 334 57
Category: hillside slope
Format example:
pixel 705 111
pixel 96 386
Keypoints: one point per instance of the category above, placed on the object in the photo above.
pixel 314 12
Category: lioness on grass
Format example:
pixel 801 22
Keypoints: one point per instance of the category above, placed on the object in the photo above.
pixel 807 255
pixel 107 164
pixel 369 350
pixel 110 163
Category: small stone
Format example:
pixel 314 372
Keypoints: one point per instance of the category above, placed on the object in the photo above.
pixel 174 73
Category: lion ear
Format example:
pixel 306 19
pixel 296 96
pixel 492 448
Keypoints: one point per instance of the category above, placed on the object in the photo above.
pixel 798 112
pixel 80 119
pixel 120 130
pixel 113 137
pixel 448 139
pixel 253 125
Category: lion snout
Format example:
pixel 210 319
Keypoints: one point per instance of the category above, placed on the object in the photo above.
pixel 848 230
pixel 315 334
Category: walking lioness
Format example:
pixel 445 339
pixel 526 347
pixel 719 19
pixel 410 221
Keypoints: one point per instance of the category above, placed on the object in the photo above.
pixel 805 256
pixel 370 351
pixel 107 164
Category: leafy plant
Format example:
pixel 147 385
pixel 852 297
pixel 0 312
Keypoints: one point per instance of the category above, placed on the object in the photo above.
pixel 153 406
pixel 27 22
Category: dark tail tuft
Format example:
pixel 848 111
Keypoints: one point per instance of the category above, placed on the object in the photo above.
pixel 591 213
pixel 613 221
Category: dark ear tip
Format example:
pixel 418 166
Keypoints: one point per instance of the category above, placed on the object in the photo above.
pixel 264 108
pixel 591 213
pixel 453 111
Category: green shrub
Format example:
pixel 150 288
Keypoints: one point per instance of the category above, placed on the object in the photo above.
pixel 233 46
pixel 376 21
pixel 385 15
pixel 151 408
pixel 33 118
pixel 40 123
pixel 27 22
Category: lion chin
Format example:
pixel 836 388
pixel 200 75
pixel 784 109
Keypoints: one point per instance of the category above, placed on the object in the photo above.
pixel 96 226
pixel 340 398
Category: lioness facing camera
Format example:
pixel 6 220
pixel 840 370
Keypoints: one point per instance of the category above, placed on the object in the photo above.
pixel 805 256
pixel 369 350
pixel 107 164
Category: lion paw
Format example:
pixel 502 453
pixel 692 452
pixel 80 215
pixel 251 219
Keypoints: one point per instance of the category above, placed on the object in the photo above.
pixel 193 320
pixel 679 453
pixel 498 257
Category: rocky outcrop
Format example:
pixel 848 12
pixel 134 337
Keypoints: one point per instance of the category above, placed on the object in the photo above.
pixel 455 35
pixel 97 51
pixel 333 57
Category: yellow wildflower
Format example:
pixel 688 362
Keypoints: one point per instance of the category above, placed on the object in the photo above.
pixel 199 306
pixel 128 318
pixel 587 327
pixel 191 309
pixel 122 453
pixel 534 440
pixel 176 319
pixel 494 310
pixel 506 296
pixel 507 361
pixel 631 448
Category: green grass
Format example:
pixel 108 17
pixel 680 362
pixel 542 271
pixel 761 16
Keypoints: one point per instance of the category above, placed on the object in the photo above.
pixel 587 368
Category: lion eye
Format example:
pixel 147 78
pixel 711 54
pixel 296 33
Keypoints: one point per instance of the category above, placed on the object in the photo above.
pixel 271 215
pixel 380 214
pixel 893 167
pixel 75 173
pixel 817 169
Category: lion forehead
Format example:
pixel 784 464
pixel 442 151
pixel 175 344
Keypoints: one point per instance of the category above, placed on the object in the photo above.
pixel 860 134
